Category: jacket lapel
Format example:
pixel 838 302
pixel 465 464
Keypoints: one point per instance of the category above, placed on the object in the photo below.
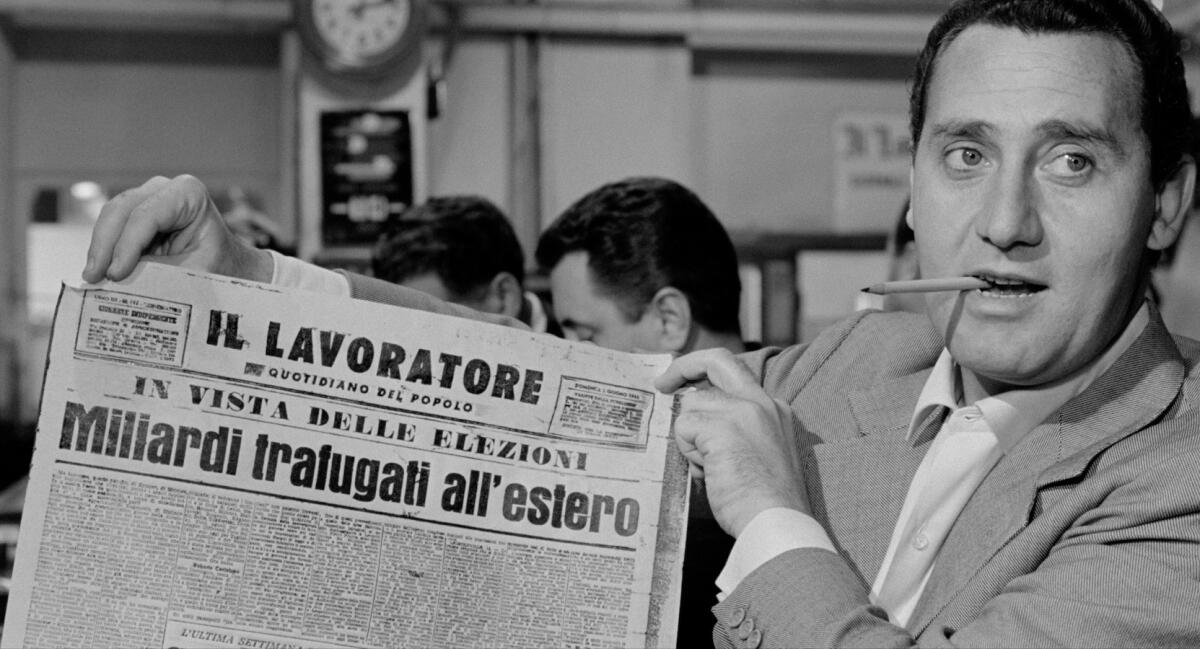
pixel 855 478
pixel 1130 396
pixel 1134 392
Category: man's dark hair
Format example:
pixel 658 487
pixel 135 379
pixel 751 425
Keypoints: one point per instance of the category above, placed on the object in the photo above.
pixel 644 234
pixel 465 240
pixel 1165 114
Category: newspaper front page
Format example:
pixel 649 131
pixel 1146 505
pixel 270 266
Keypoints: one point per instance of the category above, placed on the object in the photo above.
pixel 229 464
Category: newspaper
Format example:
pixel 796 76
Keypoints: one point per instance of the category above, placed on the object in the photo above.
pixel 223 463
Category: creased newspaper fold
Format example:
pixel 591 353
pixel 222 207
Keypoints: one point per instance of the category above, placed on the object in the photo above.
pixel 229 464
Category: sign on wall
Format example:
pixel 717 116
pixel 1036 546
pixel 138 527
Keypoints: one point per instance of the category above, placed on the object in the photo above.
pixel 872 159
pixel 366 173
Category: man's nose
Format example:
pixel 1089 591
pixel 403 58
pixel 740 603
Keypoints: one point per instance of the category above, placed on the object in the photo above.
pixel 1011 216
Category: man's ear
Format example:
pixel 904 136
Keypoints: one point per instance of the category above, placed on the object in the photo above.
pixel 504 295
pixel 1172 204
pixel 673 318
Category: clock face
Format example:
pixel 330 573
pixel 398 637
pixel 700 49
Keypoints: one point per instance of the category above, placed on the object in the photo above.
pixel 358 31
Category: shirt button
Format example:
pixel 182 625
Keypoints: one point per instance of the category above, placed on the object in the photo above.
pixel 754 640
pixel 738 615
pixel 920 541
pixel 745 628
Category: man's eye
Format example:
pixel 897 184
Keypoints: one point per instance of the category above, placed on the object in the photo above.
pixel 964 159
pixel 1069 164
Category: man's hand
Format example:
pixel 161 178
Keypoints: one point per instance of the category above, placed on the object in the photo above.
pixel 740 440
pixel 174 222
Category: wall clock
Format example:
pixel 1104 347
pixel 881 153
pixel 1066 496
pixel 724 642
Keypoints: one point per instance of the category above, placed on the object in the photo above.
pixel 366 39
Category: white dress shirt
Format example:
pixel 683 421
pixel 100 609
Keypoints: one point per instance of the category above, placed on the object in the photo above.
pixel 969 442
pixel 294 273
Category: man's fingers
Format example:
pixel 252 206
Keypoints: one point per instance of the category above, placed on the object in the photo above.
pixel 682 371
pixel 176 210
pixel 712 419
pixel 703 415
pixel 110 227
pixel 719 366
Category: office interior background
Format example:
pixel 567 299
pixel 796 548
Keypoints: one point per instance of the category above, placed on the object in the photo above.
pixel 788 117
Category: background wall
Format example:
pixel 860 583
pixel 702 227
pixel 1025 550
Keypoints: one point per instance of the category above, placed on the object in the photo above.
pixel 613 110
pixel 469 144
pixel 116 109
pixel 764 138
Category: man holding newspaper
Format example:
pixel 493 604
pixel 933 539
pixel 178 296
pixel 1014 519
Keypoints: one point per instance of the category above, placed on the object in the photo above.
pixel 1017 469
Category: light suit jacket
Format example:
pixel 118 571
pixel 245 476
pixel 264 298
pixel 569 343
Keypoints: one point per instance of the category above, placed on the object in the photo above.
pixel 1086 534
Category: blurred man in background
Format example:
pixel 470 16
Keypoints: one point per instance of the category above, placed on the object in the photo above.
pixel 642 264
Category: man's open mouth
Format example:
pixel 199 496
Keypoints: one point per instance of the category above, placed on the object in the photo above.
pixel 1009 286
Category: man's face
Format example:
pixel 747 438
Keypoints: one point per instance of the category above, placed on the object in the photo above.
pixel 1032 171
pixel 588 315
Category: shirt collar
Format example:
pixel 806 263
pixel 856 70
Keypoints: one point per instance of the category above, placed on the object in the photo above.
pixel 1012 414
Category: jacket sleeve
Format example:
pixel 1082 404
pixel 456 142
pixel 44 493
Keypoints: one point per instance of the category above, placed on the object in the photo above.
pixel 803 598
